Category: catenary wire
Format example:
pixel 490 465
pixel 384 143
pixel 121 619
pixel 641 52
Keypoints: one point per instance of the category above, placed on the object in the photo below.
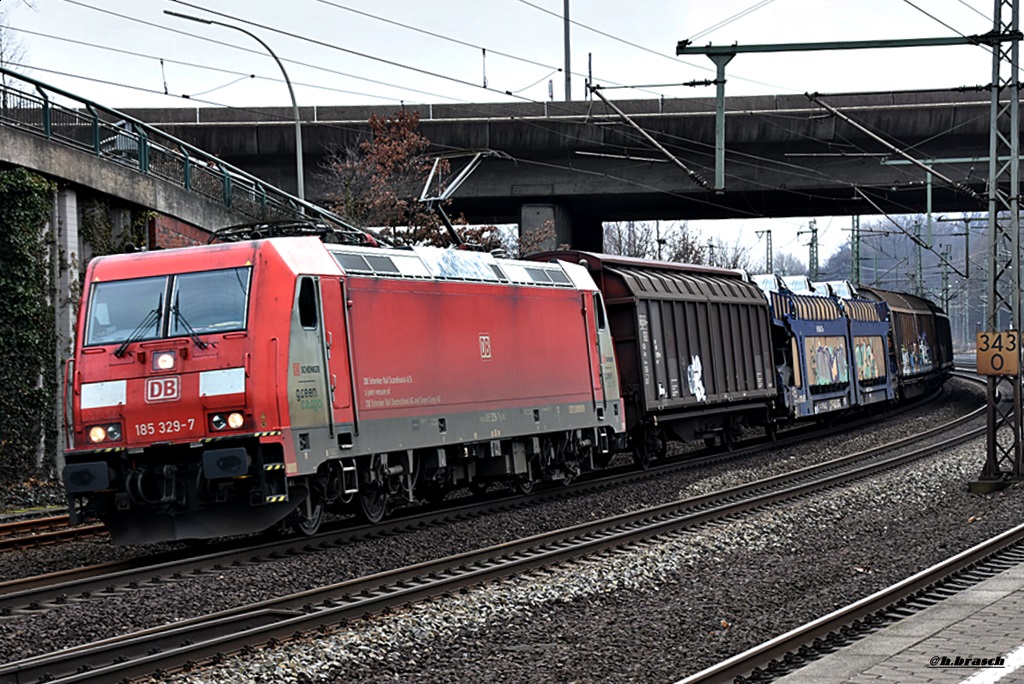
pixel 728 20
pixel 207 67
pixel 256 52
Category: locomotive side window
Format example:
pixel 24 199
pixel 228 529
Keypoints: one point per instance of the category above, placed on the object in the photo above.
pixel 307 303
pixel 599 311
pixel 209 301
pixel 352 262
pixel 118 307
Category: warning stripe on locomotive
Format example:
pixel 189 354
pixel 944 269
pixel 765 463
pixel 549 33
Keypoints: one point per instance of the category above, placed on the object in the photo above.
pixel 205 440
pixel 271 433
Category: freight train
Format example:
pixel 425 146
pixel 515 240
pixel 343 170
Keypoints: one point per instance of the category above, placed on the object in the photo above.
pixel 235 387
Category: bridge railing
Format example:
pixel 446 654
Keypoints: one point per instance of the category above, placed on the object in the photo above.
pixel 68 119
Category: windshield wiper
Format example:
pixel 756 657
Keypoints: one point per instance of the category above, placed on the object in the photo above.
pixel 189 330
pixel 140 330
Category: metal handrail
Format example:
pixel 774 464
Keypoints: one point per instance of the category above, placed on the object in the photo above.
pixel 130 142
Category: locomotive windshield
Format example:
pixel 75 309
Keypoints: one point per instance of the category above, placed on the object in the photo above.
pixel 187 303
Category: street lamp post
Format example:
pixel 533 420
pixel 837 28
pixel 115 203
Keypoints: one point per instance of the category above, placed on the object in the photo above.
pixel 295 107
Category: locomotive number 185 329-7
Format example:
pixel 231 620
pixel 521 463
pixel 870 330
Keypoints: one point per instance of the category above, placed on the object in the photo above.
pixel 164 427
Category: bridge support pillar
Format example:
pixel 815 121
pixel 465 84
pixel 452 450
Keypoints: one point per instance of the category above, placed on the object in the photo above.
pixel 543 227
pixel 548 226
pixel 66 259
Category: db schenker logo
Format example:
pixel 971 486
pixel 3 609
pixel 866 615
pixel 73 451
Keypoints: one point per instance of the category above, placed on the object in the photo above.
pixel 163 389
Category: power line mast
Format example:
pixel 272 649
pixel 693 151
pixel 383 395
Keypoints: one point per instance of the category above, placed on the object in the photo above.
pixel 1003 460
pixel 855 250
pixel 812 261
pixel 919 260
pixel 947 253
pixel 768 257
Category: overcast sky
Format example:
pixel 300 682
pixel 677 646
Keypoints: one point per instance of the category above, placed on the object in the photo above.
pixel 412 51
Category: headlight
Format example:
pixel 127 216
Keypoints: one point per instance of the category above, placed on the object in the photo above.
pixel 164 361
pixel 97 434
pixel 105 433
pixel 227 421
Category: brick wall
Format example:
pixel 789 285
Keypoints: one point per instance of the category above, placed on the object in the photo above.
pixel 167 233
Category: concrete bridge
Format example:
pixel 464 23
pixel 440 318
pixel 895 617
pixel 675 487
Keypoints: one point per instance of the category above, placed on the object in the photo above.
pixel 579 163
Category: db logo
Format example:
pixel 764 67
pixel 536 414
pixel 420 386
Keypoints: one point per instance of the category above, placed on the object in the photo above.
pixel 163 389
pixel 485 346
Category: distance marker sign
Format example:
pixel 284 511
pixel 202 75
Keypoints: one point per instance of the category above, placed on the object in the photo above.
pixel 998 353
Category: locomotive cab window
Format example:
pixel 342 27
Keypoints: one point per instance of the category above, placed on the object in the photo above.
pixel 168 306
pixel 119 307
pixel 308 314
pixel 209 301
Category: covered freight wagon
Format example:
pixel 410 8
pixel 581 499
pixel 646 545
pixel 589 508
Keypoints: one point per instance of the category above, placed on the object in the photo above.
pixel 692 347
pixel 920 342
pixel 810 335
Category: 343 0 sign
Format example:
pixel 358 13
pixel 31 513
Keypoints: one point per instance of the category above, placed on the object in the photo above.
pixel 998 353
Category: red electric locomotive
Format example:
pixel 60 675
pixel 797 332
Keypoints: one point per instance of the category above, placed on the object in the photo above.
pixel 224 389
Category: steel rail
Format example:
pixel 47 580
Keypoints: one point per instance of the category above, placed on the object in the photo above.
pixel 32 532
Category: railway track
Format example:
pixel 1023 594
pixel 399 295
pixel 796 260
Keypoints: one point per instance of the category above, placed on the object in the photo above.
pixel 40 531
pixel 241 628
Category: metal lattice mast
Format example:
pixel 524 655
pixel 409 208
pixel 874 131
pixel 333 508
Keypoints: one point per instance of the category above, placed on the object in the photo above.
pixel 812 257
pixel 768 256
pixel 1004 392
pixel 855 250
pixel 919 260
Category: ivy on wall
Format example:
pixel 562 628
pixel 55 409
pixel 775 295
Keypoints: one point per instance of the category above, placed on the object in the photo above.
pixel 97 228
pixel 28 376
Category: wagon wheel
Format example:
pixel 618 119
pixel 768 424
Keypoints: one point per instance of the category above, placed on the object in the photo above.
pixel 771 429
pixel 373 503
pixel 646 447
pixel 310 525
pixel 373 495
pixel 523 484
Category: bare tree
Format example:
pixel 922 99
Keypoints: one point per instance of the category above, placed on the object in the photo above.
pixel 725 255
pixel 12 54
pixel 673 242
pixel 786 264
pixel 683 245
pixel 377 183
pixel 631 239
